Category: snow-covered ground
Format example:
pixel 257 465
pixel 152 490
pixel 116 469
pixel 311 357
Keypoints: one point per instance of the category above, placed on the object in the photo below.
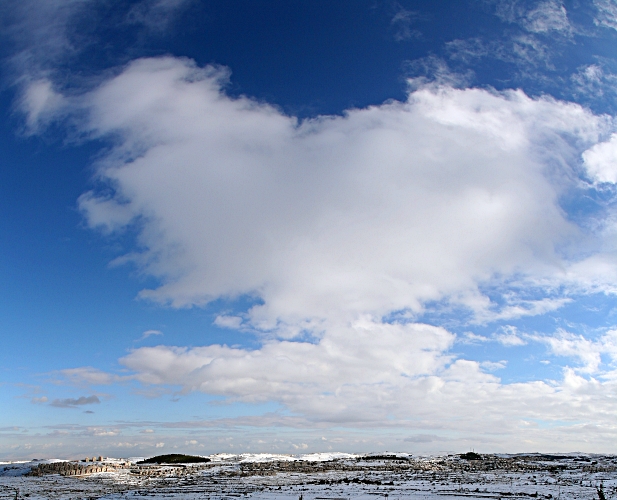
pixel 333 477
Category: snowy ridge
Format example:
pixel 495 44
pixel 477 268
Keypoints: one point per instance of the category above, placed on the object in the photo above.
pixel 321 476
pixel 270 457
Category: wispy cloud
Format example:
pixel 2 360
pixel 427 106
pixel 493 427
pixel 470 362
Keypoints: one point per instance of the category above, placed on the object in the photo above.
pixel 492 366
pixel 86 376
pixel 524 50
pixel 606 13
pixel 156 14
pixel 532 45
pixel 546 17
pixel 507 336
pixel 402 22
pixel 150 333
pixel 594 81
pixel 543 17
pixel 43 35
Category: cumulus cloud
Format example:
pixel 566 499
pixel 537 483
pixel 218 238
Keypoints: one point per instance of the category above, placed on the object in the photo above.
pixel 226 321
pixel 378 210
pixel 381 386
pixel 311 378
pixel 601 160
pixel 587 352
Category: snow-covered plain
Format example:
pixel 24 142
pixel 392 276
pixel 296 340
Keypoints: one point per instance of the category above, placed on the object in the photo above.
pixel 331 477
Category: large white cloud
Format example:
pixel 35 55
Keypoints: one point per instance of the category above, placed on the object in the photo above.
pixel 378 210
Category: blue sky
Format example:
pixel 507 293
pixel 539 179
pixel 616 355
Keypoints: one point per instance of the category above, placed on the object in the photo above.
pixel 234 226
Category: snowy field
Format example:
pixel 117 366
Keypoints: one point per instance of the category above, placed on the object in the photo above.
pixel 328 477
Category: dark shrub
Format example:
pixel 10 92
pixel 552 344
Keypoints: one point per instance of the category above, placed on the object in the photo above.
pixel 174 458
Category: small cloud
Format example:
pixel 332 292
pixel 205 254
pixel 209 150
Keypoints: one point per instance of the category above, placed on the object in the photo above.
pixel 493 365
pixel 40 400
pixel 147 431
pixel 88 411
pixel 40 103
pixel 232 322
pixel 600 160
pixel 149 333
pixel 509 337
pixel 86 375
pixel 10 429
pixel 160 445
pixel 74 402
pixel 424 438
pixel 521 308
pixel 509 340
pixel 434 70
pixel 470 338
pixel 402 21
pixel 103 432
